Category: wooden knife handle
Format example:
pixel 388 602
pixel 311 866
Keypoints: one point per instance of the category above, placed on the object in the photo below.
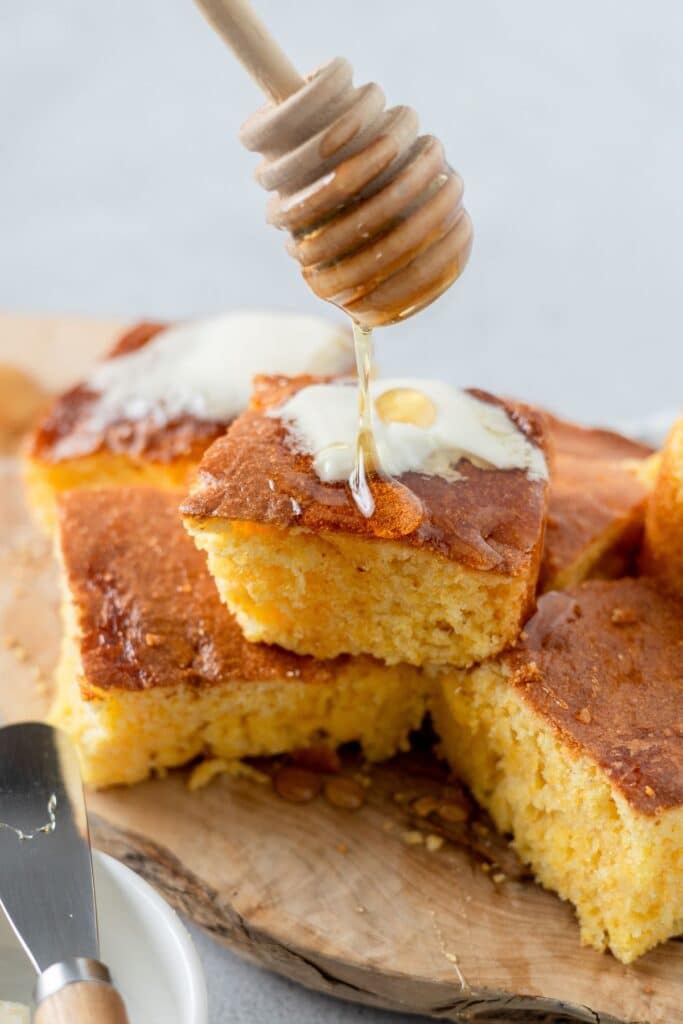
pixel 83 1002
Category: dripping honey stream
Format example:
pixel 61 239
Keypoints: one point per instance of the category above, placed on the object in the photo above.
pixel 395 508
pixel 367 459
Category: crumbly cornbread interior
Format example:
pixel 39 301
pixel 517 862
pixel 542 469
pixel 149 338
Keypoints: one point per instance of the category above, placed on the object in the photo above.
pixel 124 737
pixel 393 601
pixel 621 868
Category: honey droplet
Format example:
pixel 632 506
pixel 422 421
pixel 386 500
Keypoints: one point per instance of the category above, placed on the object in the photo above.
pixel 452 813
pixel 424 806
pixel 296 785
pixel 345 793
pixel 318 759
pixel 406 405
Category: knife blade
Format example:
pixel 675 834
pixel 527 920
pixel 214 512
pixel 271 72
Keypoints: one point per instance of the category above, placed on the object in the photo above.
pixel 46 884
pixel 46 880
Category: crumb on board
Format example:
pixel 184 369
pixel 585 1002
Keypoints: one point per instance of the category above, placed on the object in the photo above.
pixel 203 773
pixel 344 792
pixel 452 813
pixel 434 842
pixel 425 805
pixel 363 780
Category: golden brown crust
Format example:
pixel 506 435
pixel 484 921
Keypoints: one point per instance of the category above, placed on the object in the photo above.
pixel 148 610
pixel 67 430
pixel 603 663
pixel 663 550
pixel 594 487
pixel 569 438
pixel 489 520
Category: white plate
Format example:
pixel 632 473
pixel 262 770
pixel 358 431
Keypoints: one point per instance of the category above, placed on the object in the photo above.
pixel 144 944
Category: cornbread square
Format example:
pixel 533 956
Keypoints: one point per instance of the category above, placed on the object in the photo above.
pixel 154 671
pixel 598 491
pixel 445 571
pixel 146 414
pixel 663 549
pixel 72 447
pixel 574 744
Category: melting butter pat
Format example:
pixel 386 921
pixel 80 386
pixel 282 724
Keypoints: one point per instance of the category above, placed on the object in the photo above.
pixel 14 1013
pixel 421 426
pixel 205 368
pixel 406 405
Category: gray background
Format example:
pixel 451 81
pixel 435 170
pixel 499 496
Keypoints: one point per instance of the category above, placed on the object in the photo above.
pixel 123 191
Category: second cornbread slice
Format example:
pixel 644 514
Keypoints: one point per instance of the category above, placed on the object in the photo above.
pixel 598 492
pixel 154 670
pixel 573 741
pixel 146 413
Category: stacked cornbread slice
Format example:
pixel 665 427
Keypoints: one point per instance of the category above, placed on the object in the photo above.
pixel 147 413
pixel 444 571
pixel 310 624
pixel 155 671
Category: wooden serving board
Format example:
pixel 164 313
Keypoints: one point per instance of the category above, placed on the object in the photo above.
pixel 336 900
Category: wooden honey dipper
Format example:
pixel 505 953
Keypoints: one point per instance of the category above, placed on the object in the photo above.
pixel 374 212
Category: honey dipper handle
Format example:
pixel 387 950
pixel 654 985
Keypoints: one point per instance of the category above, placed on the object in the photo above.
pixel 251 42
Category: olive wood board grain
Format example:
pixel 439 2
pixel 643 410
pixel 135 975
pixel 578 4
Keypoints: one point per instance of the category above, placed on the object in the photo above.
pixel 336 900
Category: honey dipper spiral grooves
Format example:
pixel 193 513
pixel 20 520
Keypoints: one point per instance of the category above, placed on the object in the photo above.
pixel 374 211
